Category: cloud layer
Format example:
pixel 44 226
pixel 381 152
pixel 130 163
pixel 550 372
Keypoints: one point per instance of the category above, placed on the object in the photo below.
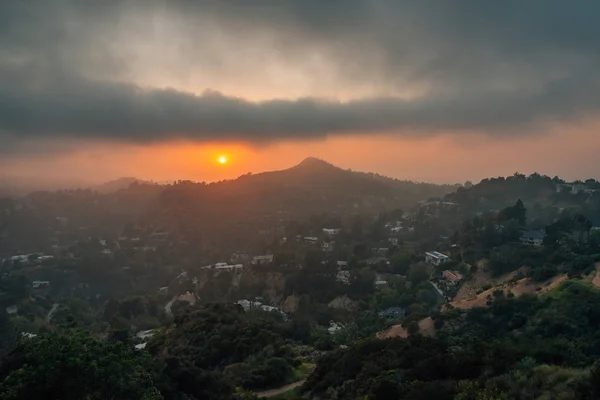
pixel 98 70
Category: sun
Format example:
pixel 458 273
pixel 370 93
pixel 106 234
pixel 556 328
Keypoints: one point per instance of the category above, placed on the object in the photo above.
pixel 222 160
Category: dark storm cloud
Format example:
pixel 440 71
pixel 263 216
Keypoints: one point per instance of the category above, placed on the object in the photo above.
pixel 489 66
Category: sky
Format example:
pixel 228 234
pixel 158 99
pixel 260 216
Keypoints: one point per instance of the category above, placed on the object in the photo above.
pixel 429 90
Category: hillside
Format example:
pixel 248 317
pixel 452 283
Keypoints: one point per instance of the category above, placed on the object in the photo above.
pixel 313 186
pixel 116 185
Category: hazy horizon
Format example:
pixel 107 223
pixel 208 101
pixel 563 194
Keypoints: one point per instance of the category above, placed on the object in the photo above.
pixel 434 92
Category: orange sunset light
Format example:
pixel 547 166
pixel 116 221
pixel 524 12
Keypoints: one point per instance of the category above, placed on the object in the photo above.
pixel 222 160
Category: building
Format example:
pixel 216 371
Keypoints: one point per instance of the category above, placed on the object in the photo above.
pixel 331 231
pixel 228 267
pixel 40 284
pixel 261 260
pixel 342 264
pixel 311 239
pixel 393 241
pixel 436 258
pixel 393 312
pixel 572 188
pixel 532 237
pixel 452 276
pixel 12 309
pixel 327 246
pixel 238 257
pixel 343 277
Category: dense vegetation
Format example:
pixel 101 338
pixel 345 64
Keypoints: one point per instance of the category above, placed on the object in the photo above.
pixel 136 308
pixel 505 351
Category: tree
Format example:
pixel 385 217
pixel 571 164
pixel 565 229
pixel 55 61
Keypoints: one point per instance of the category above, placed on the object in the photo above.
pixel 400 263
pixel 362 282
pixel 72 364
pixel 418 273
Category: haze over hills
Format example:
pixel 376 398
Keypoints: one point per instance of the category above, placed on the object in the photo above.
pixel 117 184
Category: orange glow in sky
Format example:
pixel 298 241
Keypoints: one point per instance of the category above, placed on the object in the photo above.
pixel 222 160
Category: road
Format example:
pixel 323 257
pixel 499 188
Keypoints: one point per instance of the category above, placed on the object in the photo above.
pixel 51 312
pixel 439 292
pixel 283 389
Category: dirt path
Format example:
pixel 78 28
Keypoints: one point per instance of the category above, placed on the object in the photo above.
pixel 596 280
pixel 283 389
pixel 51 312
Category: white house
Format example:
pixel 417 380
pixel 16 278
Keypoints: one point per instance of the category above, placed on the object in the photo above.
pixel 12 309
pixel 532 237
pixel 331 231
pixel 228 267
pixel 436 258
pixel 311 239
pixel 39 284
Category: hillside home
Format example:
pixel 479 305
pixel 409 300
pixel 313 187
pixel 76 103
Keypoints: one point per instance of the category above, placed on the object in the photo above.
pixel 238 256
pixel 532 237
pixel 331 231
pixel 436 258
pixel 343 277
pixel 573 188
pixel 342 264
pixel 12 309
pixel 228 267
pixel 40 284
pixel 327 246
pixel 393 312
pixel 453 277
pixel 311 239
pixel 262 260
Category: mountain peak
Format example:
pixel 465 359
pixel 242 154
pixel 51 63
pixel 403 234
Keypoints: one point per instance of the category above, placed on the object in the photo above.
pixel 313 162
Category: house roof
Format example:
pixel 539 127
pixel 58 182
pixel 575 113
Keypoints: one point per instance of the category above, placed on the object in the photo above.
pixel 533 234
pixel 436 254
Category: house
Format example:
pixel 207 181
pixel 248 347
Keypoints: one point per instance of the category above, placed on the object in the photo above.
pixel 327 246
pixel 577 188
pixel 40 284
pixel 238 256
pixel 334 327
pixel 436 258
pixel 376 260
pixel 159 236
pixel 453 277
pixel 12 309
pixel 532 237
pixel 140 346
pixel 261 260
pixel 379 283
pixel 393 312
pixel 393 241
pixel 311 239
pixel 342 264
pixel 228 267
pixel 343 277
pixel 331 232
pixel 381 250
pixel 247 304
pixel 573 188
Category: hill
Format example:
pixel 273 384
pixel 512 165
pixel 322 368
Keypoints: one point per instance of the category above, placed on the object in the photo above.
pixel 116 185
pixel 313 186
